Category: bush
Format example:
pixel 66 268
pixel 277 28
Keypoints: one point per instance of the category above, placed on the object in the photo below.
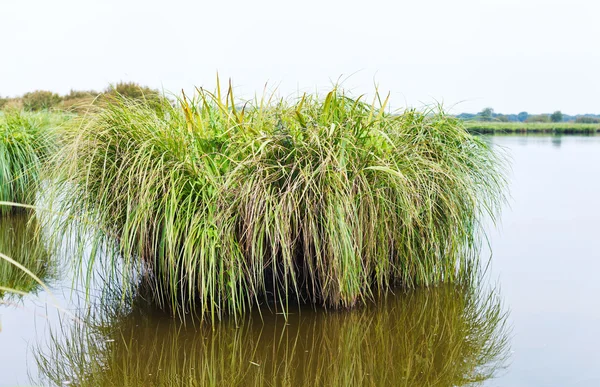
pixel 322 201
pixel 40 100
pixel 80 94
pixel 132 90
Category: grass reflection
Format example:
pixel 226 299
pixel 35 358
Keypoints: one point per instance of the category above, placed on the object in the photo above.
pixel 445 336
pixel 20 240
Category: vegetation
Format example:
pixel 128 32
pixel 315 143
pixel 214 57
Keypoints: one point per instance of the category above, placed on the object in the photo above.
pixel 587 120
pixel 20 240
pixel 77 101
pixel 538 118
pixel 26 142
pixel 557 116
pixel 40 100
pixel 488 115
pixel 530 127
pixel 132 90
pixel 444 336
pixel 522 116
pixel 326 201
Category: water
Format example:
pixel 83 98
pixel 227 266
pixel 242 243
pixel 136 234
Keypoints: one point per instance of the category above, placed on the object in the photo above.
pixel 547 259
pixel 546 256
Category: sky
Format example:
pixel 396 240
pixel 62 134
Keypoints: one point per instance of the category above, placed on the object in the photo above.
pixel 529 55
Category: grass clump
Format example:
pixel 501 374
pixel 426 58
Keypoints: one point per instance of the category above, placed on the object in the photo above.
pixel 26 141
pixel 325 200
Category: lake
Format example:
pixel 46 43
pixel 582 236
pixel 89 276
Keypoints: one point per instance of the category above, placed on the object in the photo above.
pixel 533 321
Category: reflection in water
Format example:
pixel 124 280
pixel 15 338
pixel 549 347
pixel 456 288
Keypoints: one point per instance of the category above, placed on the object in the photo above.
pixel 20 240
pixel 556 141
pixel 445 336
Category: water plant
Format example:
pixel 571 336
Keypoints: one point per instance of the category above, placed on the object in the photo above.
pixel 26 142
pixel 222 205
pixel 451 335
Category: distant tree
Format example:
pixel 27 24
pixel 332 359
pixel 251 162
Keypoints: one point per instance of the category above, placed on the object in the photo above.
pixel 466 116
pixel 522 116
pixel 40 100
pixel 587 120
pixel 501 118
pixel 557 116
pixel 486 114
pixel 538 118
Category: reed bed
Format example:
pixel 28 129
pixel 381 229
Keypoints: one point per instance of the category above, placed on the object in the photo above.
pixel 223 205
pixel 27 140
pixel 531 128
pixel 446 336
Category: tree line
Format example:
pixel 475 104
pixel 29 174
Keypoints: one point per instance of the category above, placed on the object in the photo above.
pixel 489 115
pixel 76 100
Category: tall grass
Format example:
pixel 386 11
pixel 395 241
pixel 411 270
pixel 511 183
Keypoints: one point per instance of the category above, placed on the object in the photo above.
pixel 26 142
pixel 479 127
pixel 328 200
pixel 446 336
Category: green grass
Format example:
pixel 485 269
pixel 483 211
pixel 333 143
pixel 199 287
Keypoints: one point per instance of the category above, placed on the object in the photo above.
pixel 26 142
pixel 223 205
pixel 20 240
pixel 534 127
pixel 445 336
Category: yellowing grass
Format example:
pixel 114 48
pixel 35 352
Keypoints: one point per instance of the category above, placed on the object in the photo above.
pixel 224 205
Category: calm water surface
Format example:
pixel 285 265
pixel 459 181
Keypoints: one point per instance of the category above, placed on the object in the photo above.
pixel 546 259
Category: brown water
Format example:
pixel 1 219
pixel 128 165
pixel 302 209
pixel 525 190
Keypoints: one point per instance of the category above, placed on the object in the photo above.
pixel 545 263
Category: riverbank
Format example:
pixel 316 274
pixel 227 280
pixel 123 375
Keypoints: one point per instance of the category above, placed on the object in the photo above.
pixel 477 127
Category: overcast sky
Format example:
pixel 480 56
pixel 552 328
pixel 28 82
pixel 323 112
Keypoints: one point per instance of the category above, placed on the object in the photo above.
pixel 532 55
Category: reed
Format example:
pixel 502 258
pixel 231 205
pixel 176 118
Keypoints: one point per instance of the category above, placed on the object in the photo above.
pixel 478 127
pixel 224 205
pixel 26 142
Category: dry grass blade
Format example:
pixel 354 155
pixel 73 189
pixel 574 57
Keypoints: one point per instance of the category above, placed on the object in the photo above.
pixel 324 201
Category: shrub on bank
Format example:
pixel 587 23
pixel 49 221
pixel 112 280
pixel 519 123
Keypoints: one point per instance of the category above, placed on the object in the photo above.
pixel 40 100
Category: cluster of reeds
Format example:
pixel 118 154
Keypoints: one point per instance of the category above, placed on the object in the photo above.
pixel 327 201
pixel 26 142
pixel 446 336
pixel 479 127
